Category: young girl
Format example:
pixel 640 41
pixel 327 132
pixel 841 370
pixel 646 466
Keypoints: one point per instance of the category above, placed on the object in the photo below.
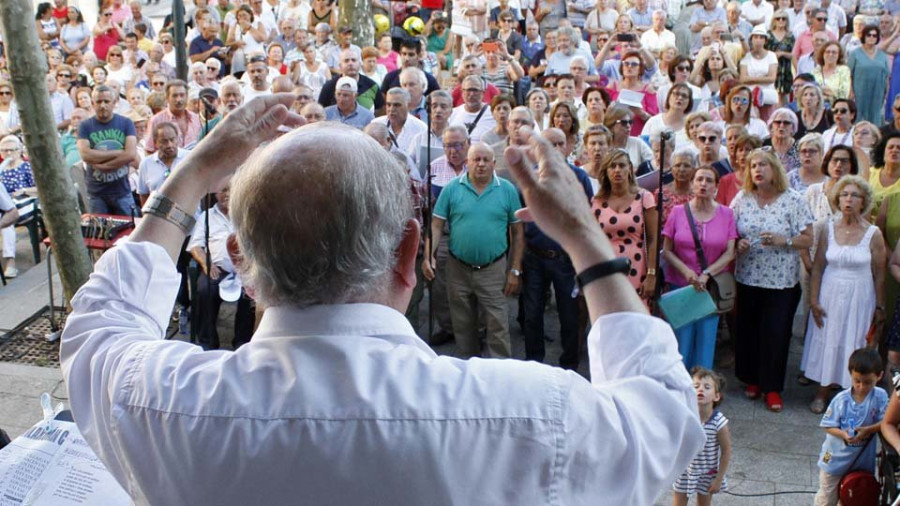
pixel 706 474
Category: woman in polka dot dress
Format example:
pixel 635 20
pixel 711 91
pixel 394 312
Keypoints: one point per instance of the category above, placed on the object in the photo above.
pixel 627 213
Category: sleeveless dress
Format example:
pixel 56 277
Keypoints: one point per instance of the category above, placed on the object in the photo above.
pixel 848 297
pixel 625 231
pixel 705 466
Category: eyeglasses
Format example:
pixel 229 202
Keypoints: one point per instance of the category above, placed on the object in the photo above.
pixel 740 100
pixel 819 18
pixel 840 111
pixel 781 122
pixel 681 95
pixel 707 139
pixel 64 75
pixel 625 122
pixel 473 90
pixel 683 68
pixel 455 145
pixel 5 93
pixel 7 150
pixel 840 161
pixel 872 34
pixel 845 195
pixel 630 64
pixel 809 152
pixel 212 68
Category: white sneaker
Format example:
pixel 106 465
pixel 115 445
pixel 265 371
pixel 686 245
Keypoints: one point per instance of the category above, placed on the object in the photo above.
pixel 11 272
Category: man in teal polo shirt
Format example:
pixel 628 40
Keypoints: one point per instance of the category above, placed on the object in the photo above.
pixel 480 209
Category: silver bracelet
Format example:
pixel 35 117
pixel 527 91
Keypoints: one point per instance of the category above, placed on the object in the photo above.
pixel 163 207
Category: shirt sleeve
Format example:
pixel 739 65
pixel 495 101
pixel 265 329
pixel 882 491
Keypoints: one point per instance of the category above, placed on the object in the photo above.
pixel 117 317
pixel 442 206
pixel 832 416
pixel 669 227
pixel 630 433
pixel 6 202
pixel 514 204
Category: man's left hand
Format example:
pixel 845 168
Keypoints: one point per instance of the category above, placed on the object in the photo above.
pixel 512 284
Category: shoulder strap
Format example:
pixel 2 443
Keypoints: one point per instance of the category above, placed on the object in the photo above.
pixel 471 126
pixel 697 247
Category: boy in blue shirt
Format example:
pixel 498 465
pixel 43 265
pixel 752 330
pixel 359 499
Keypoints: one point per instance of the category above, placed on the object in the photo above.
pixel 852 418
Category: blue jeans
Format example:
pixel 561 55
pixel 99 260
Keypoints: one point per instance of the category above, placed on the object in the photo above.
pixel 697 342
pixel 539 273
pixel 121 205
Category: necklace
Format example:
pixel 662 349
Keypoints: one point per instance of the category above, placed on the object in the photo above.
pixel 843 140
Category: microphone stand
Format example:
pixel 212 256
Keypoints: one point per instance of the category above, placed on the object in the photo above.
pixel 426 216
pixel 208 109
pixel 664 139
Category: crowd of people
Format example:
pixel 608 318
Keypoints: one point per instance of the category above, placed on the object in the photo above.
pixel 773 128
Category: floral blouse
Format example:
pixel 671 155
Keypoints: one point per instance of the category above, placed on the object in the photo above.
pixel 769 266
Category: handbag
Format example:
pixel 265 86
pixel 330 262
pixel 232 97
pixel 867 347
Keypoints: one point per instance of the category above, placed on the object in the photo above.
pixel 721 286
pixel 859 488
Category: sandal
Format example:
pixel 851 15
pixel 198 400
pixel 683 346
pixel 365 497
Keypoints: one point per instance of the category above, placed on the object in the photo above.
pixel 817 406
pixel 802 380
pixel 773 402
pixel 752 392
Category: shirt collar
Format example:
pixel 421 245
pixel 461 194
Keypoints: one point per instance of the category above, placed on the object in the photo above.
pixel 363 320
pixel 465 179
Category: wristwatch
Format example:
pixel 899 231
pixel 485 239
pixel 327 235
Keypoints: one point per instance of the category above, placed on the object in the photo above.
pixel 163 207
pixel 651 272
pixel 789 243
pixel 515 272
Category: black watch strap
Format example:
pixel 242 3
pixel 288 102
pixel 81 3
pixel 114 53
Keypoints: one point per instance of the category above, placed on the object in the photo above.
pixel 603 269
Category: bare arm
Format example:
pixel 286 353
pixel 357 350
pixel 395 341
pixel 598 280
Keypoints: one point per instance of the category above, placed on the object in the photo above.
pixel 517 251
pixel 429 264
pixel 651 217
pixel 815 279
pixel 891 421
pixel 93 156
pixel 9 218
pixel 878 267
pixel 724 438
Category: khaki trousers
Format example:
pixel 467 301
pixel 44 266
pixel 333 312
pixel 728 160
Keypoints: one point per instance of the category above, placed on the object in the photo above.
pixel 469 290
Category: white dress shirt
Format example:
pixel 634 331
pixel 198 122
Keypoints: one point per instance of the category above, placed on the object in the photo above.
pixel 405 140
pixel 220 227
pixel 152 172
pixel 346 405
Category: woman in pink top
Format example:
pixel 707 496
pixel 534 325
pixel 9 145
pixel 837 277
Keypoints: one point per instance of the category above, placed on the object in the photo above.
pixel 386 54
pixel 717 232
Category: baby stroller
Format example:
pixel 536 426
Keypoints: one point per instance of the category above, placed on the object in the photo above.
pixel 887 472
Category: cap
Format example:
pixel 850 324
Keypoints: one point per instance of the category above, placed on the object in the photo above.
pixel 230 288
pixel 346 83
pixel 209 94
pixel 759 30
pixel 345 29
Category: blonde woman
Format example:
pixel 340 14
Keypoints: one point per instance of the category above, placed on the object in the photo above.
pixel 812 117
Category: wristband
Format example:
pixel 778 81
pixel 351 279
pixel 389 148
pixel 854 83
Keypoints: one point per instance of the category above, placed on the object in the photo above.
pixel 163 207
pixel 603 269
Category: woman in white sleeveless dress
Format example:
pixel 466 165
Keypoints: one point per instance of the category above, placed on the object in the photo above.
pixel 846 288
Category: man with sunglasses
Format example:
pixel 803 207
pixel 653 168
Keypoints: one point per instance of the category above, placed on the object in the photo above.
pixel 894 124
pixel 818 20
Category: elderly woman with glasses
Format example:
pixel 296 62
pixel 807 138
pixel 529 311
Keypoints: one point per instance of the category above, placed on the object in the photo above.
pixel 830 71
pixel 627 214
pixel 811 148
pixel 716 229
pixel 737 111
pixel 18 180
pixel 783 126
pixel 619 121
pixel 869 72
pixel 774 224
pixel 846 288
pixel 708 141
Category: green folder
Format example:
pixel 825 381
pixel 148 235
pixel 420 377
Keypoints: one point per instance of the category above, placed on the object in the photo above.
pixel 686 305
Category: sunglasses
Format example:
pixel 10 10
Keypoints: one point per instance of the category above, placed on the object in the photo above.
pixel 872 34
pixel 840 161
pixel 781 122
pixel 625 122
pixel 740 100
pixel 212 68
pixel 165 41
pixel 707 139
pixel 107 14
pixel 841 110
pixel 5 93
pixel 630 64
pixel 64 75
pixel 683 68
pixel 114 54
pixel 818 18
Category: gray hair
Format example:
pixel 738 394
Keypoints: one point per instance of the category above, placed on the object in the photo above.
pixel 346 253
pixel 460 129
pixel 687 152
pixel 712 126
pixel 13 139
pixel 401 92
pixel 524 110
pixel 442 94
pixel 859 182
pixel 815 139
pixel 419 73
pixel 787 113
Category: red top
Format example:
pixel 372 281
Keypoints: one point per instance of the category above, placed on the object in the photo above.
pixel 61 14
pixel 729 186
pixel 490 91
pixel 104 41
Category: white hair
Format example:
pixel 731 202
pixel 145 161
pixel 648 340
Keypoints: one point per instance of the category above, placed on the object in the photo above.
pixel 338 246
pixel 419 73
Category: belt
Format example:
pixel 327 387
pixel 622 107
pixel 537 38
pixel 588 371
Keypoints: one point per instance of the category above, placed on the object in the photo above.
pixel 478 267
pixel 547 253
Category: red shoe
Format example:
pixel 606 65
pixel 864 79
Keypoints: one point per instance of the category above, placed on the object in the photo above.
pixel 773 402
pixel 752 392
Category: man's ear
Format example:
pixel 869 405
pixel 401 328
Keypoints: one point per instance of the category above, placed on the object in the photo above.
pixel 405 270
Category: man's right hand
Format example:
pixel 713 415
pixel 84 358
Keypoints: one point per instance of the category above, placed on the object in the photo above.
pixel 428 268
pixel 215 273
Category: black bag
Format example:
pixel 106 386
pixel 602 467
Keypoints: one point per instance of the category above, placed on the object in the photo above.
pixel 4 439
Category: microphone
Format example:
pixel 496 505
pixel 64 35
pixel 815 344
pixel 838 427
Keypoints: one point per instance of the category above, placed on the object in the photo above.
pixel 667 135
pixel 210 108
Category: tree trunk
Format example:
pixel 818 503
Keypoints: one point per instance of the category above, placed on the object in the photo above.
pixel 28 71
pixel 358 15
